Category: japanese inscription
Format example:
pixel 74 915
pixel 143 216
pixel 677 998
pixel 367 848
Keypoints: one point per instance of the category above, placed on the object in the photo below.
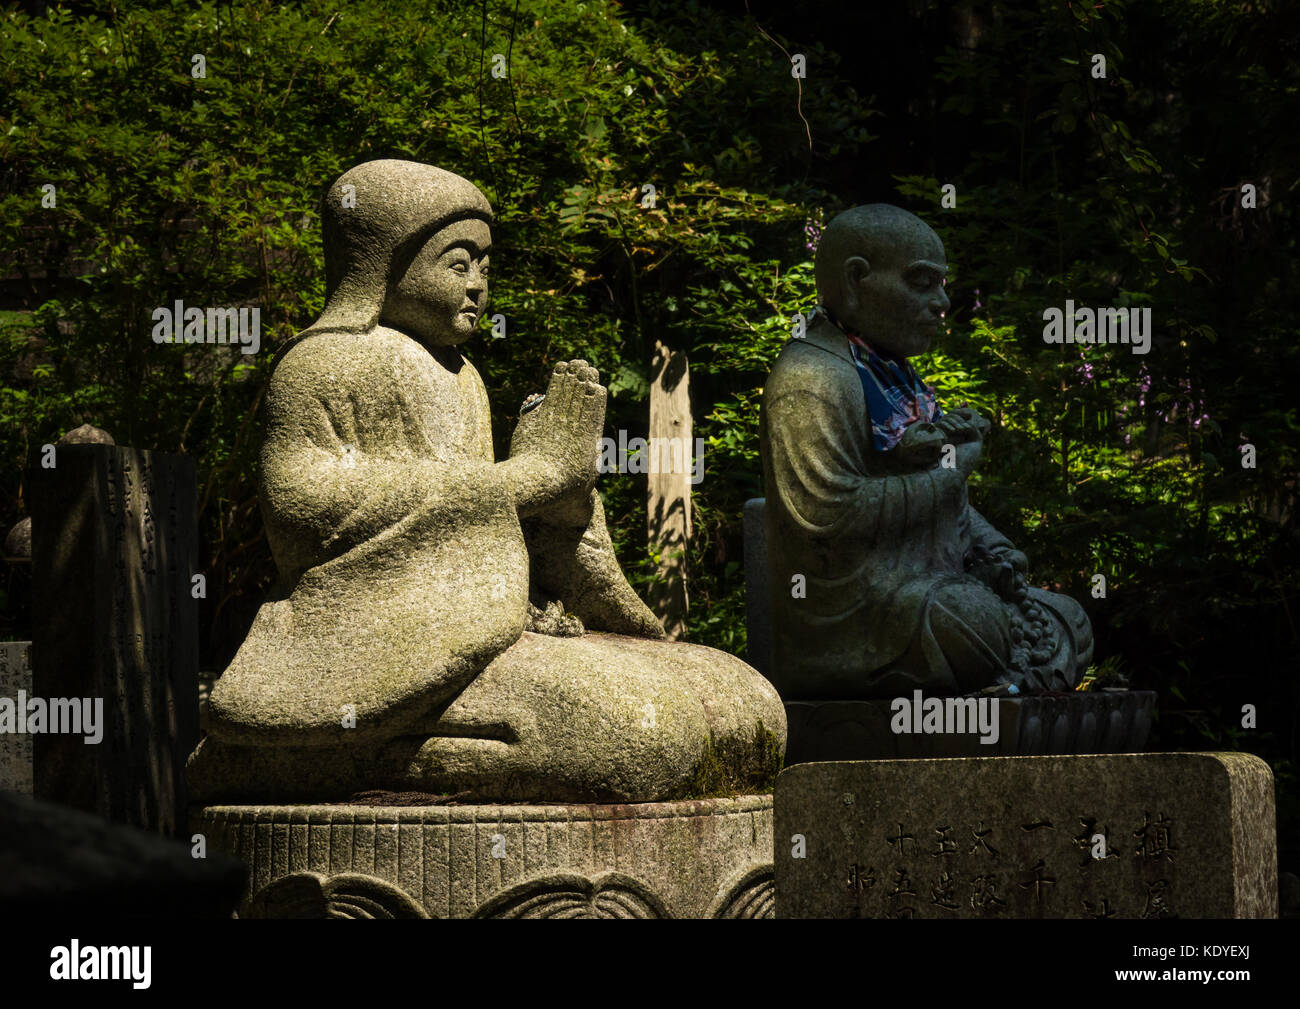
pixel 1090 836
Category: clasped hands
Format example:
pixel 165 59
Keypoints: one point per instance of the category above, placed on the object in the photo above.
pixel 922 445
pixel 1001 567
pixel 561 434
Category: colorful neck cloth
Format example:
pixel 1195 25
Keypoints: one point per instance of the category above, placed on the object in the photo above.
pixel 896 395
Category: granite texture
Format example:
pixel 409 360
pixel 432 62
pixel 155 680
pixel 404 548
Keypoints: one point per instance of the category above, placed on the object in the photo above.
pixel 1190 835
pixel 15 750
pixel 1089 722
pixel 705 858
pixel 18 543
pixel 114 547
pixel 597 718
pixel 883 578
pixel 393 650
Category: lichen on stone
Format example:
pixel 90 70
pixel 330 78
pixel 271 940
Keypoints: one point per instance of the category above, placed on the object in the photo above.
pixel 736 766
pixel 553 620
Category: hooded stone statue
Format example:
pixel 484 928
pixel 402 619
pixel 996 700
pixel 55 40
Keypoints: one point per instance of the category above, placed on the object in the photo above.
pixel 371 490
pixel 395 650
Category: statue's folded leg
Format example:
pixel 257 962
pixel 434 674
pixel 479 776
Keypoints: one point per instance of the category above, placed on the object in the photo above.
pixel 597 718
pixel 600 718
pixel 962 642
pixel 573 560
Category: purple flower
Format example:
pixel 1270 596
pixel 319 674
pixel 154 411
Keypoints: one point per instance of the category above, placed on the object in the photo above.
pixel 812 230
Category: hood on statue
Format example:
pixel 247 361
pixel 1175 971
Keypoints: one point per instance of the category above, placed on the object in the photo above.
pixel 376 216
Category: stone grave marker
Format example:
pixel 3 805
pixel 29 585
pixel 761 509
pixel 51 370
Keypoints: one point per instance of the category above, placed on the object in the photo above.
pixel 15 748
pixel 114 546
pixel 758 602
pixel 1155 835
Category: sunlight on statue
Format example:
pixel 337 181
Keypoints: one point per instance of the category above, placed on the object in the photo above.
pixel 472 612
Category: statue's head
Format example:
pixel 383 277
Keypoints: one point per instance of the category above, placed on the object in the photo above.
pixel 880 270
pixel 406 246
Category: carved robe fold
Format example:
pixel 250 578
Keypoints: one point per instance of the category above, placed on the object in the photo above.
pixel 869 593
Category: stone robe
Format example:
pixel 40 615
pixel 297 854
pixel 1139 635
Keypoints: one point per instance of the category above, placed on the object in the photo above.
pixel 392 653
pixel 403 567
pixel 886 606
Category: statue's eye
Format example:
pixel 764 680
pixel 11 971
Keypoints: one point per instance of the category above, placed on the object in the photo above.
pixel 459 267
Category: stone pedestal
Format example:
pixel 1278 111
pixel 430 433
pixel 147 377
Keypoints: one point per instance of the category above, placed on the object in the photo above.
pixel 1101 722
pixel 1146 835
pixel 707 858
pixel 114 546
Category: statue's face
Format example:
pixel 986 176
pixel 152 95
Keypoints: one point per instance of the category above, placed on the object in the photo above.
pixel 443 293
pixel 897 307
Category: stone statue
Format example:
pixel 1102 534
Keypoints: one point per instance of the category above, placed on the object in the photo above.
pixel 884 579
pixel 396 651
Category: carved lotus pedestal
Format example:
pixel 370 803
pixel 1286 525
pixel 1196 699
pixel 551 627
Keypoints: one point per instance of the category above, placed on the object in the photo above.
pixel 706 858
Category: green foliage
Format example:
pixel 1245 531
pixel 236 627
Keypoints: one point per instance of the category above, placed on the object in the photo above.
pixel 1118 192
pixel 205 189
pixel 1123 191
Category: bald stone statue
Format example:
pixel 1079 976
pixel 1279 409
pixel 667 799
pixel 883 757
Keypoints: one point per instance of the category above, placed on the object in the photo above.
pixel 884 579
pixel 445 622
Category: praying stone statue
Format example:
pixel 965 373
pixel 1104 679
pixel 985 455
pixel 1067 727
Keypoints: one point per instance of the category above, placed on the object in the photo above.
pixel 444 622
pixel 884 579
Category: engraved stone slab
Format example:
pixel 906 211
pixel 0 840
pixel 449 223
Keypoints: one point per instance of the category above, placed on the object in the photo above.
pixel 15 750
pixel 706 858
pixel 1156 835
pixel 113 549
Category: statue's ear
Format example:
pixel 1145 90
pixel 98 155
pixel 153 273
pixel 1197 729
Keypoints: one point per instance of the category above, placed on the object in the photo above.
pixel 856 271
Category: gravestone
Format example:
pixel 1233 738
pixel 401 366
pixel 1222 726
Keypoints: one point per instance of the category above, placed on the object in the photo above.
pixel 1156 835
pixel 113 550
pixel 758 605
pixel 15 748
pixel 18 544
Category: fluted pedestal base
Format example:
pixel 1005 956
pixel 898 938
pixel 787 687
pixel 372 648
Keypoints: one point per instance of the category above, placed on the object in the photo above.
pixel 708 858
